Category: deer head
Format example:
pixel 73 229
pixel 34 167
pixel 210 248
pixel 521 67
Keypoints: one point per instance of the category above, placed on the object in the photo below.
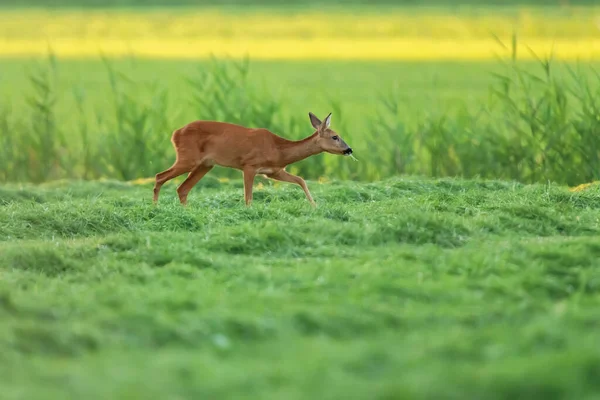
pixel 326 138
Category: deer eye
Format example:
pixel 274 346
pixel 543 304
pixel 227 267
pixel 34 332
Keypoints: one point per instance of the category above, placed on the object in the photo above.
pixel 334 137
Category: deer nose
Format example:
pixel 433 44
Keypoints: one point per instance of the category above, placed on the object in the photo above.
pixel 348 151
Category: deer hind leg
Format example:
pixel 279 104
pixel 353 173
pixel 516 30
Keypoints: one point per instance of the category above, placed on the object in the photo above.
pixel 173 172
pixel 249 175
pixel 284 176
pixel 192 179
pixel 186 160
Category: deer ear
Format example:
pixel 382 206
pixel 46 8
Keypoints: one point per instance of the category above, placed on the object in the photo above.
pixel 315 122
pixel 327 121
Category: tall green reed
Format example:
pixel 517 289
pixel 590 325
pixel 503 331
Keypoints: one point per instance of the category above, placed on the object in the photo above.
pixel 134 139
pixel 9 157
pixel 535 127
pixel 45 145
pixel 33 146
pixel 543 126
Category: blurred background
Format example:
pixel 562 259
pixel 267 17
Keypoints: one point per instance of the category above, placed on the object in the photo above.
pixel 487 88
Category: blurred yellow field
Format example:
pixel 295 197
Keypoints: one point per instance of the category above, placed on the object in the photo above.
pixel 295 49
pixel 573 34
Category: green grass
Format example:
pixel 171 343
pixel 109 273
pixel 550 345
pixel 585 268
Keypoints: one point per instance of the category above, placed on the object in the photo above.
pixel 404 288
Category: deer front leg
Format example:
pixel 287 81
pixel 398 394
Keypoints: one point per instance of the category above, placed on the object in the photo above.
pixel 284 176
pixel 249 175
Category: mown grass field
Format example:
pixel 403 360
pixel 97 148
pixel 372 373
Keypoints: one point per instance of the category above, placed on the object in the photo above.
pixel 405 288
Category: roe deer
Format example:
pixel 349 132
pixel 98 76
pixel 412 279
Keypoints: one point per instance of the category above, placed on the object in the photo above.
pixel 200 145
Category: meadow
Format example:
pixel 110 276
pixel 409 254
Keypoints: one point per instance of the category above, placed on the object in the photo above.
pixel 458 258
pixel 404 288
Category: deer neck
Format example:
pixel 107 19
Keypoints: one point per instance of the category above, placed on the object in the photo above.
pixel 294 151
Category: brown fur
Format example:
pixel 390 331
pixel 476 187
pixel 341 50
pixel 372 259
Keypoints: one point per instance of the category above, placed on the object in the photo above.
pixel 200 145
